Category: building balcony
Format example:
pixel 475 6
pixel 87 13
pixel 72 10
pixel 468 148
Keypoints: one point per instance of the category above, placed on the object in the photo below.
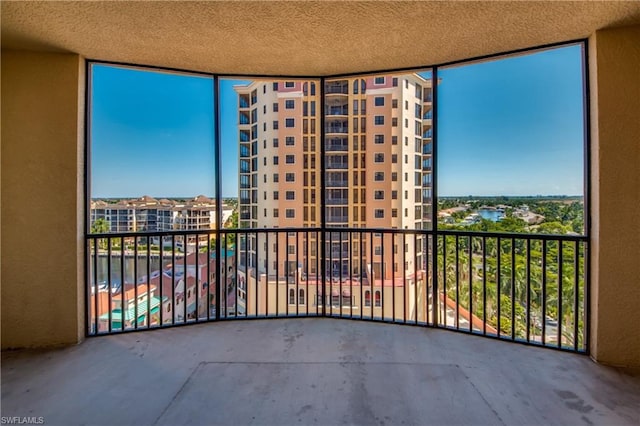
pixel 311 371
pixel 336 89
pixel 337 183
pixel 336 129
pixel 337 111
pixel 336 165
pixel 336 147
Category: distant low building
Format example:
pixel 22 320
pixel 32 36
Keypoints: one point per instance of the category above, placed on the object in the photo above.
pixel 149 214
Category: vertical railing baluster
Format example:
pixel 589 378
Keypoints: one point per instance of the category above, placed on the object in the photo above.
pixel 415 275
pixel 109 251
pixel 123 302
pixel 173 279
pixel 393 276
pixel 576 293
pixel 96 286
pixel 444 280
pixel 257 278
pixel 513 288
pixel 341 297
pixel 528 333
pixel 372 283
pixel 543 300
pixel 208 302
pixel 350 261
pixel 297 275
pixel 196 289
pixel 160 278
pixel 307 275
pixel 470 284
pixel 266 273
pixel 278 274
pixel 457 322
pixel 484 285
pixel 361 271
pixel 135 282
pixel 404 277
pixel 149 308
pixel 560 296
pixel 185 239
pixel 383 275
pixel 498 285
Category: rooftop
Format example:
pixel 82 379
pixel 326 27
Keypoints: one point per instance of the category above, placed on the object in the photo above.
pixel 312 371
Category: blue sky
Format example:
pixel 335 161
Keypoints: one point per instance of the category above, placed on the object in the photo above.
pixel 151 134
pixel 506 127
pixel 512 126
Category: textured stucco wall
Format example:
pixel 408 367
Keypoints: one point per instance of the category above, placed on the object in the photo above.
pixel 615 103
pixel 42 181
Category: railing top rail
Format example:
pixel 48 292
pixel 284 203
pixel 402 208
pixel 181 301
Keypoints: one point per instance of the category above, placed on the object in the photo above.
pixel 478 234
pixel 513 235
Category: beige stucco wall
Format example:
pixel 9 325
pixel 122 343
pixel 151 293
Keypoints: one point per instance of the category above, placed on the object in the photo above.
pixel 42 193
pixel 615 104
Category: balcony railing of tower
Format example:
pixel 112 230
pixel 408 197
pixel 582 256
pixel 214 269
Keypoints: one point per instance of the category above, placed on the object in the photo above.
pixel 337 129
pixel 337 89
pixel 527 288
pixel 337 111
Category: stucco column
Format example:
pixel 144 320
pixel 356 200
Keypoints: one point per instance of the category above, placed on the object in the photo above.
pixel 42 199
pixel 615 194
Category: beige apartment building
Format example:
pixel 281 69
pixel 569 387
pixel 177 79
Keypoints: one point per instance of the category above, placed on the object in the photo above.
pixel 377 146
pixel 149 214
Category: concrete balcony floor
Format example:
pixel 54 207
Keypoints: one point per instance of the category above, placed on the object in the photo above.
pixel 312 372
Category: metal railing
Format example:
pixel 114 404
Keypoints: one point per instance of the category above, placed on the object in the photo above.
pixel 522 287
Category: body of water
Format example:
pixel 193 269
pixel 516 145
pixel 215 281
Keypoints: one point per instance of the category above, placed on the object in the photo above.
pixel 493 215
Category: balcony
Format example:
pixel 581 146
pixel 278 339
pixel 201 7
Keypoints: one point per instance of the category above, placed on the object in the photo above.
pixel 311 371
pixel 528 288
pixel 337 111
pixel 337 165
pixel 336 129
pixel 336 89
pixel 337 183
pixel 336 147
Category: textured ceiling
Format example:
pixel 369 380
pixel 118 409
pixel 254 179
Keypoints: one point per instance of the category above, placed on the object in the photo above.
pixel 300 38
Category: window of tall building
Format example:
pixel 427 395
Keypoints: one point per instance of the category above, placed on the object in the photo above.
pixel 290 195
pixel 378 195
pixel 290 213
pixel 378 176
pixel 290 177
pixel 275 160
pixel 275 86
pixel 276 195
pixel 394 122
pixel 289 84
pixel 289 104
pixel 290 159
pixel 379 101
pixel 378 139
pixel 290 122
pixel 276 177
pixel 379 80
pixel 290 141
pixel 379 120
pixel 276 212
pixel 378 157
pixel 275 124
pixel 275 107
pixel 275 142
